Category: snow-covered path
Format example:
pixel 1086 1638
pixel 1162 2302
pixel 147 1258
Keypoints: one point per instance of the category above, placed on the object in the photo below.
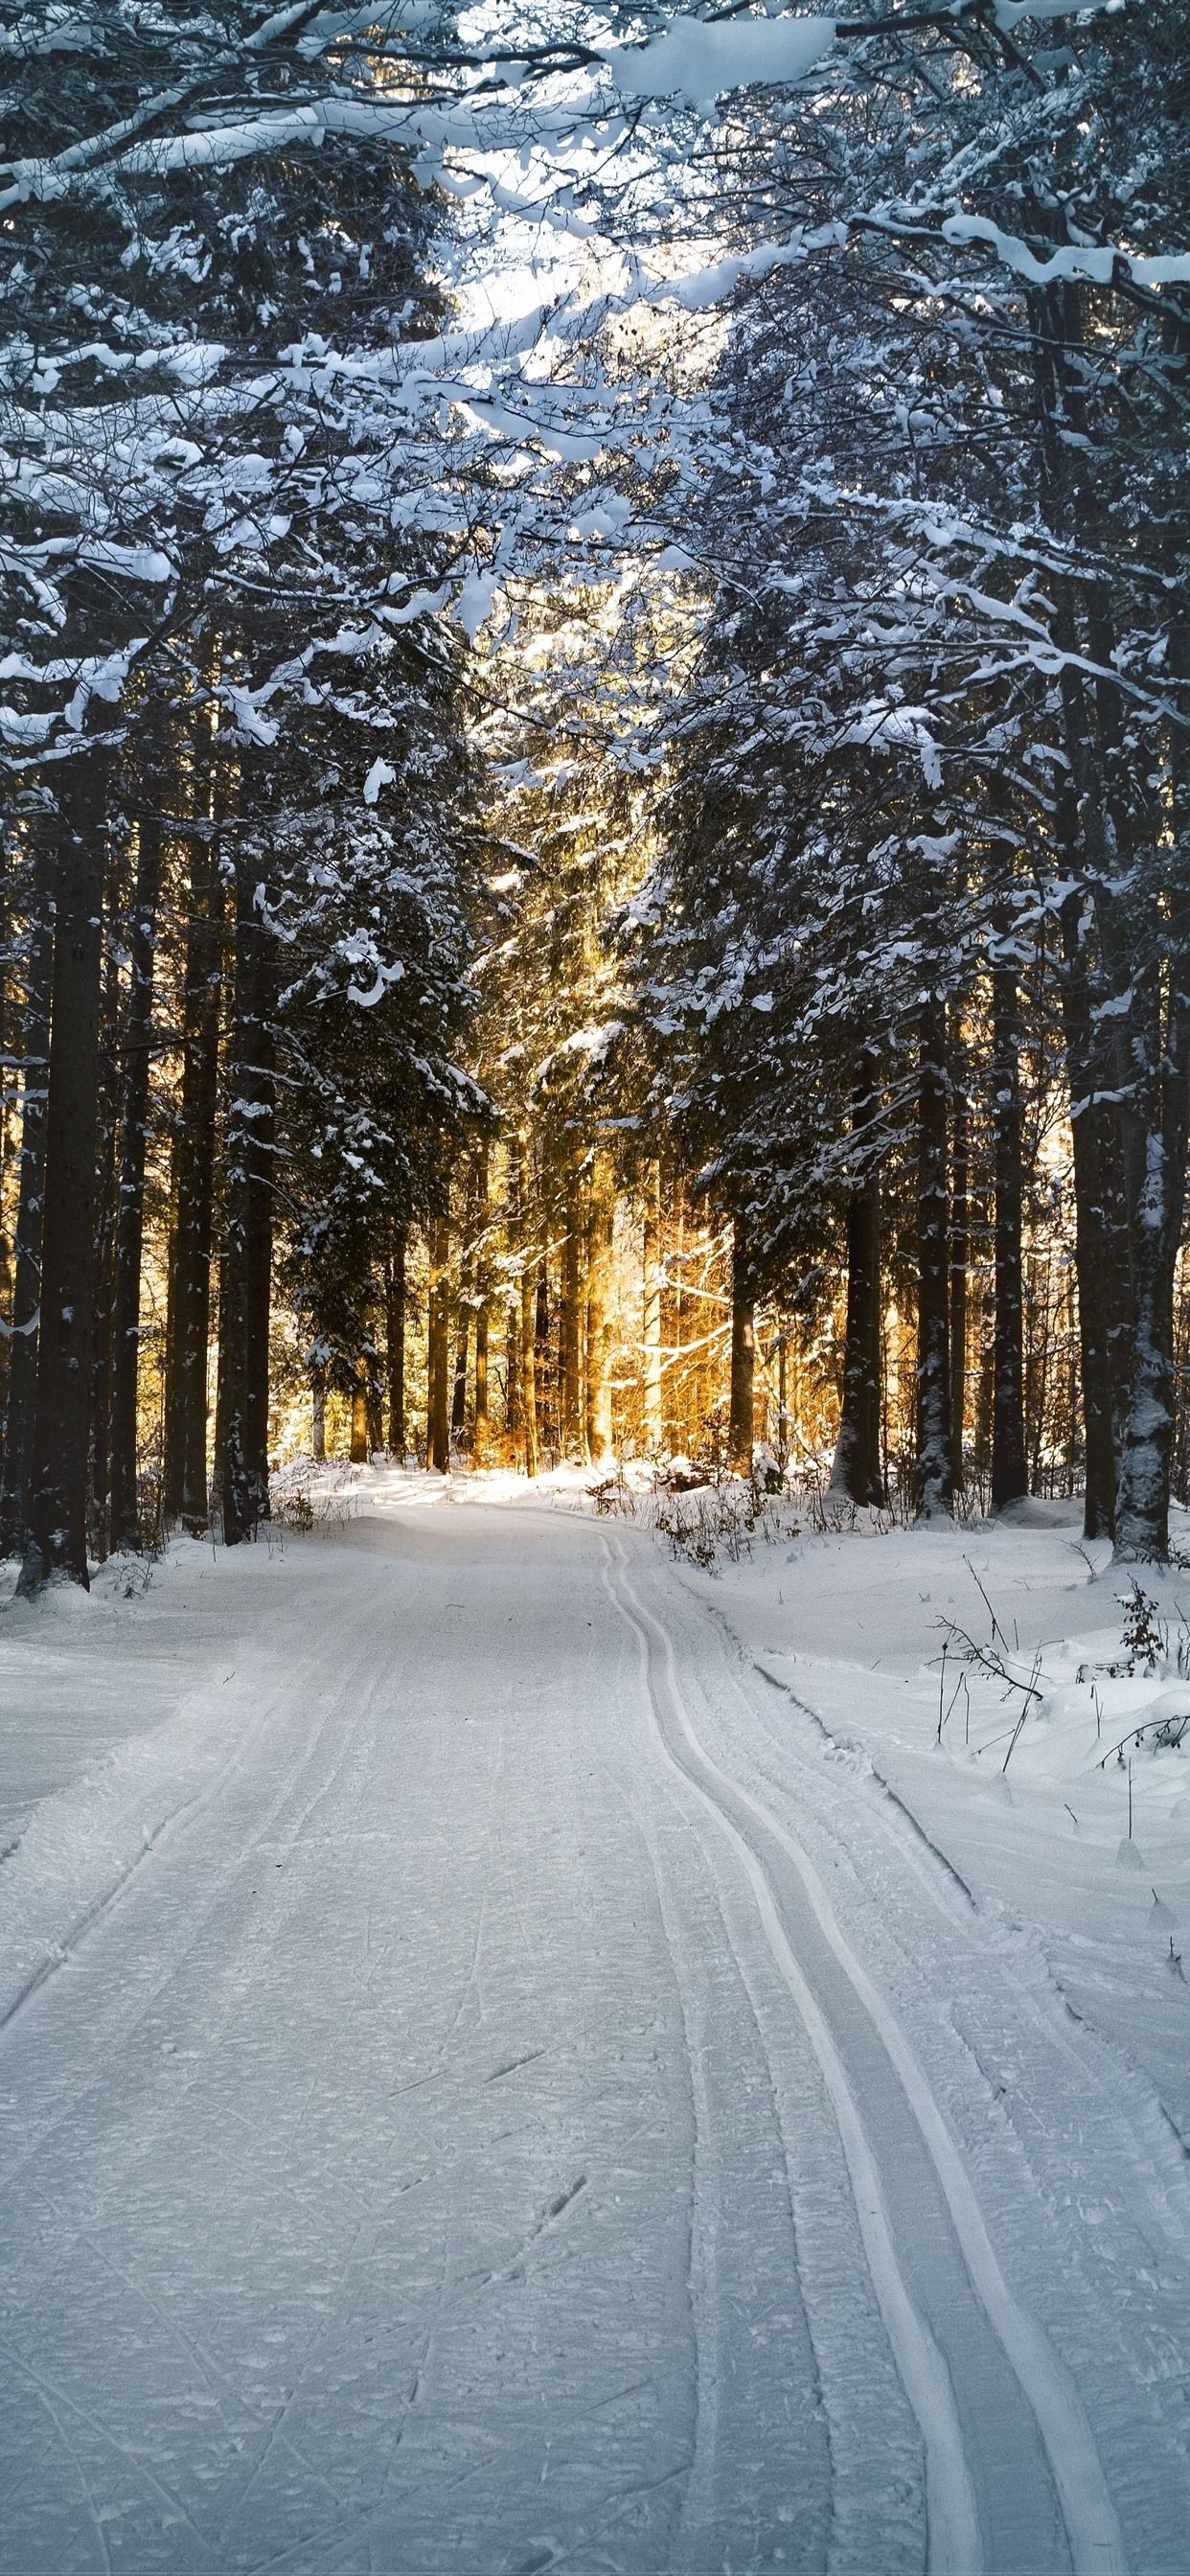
pixel 524 2102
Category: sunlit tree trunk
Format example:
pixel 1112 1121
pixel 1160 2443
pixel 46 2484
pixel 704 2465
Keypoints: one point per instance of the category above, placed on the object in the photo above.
pixel 481 1387
pixel 571 1323
pixel 458 1402
pixel 1010 1477
pixel 130 1207
pixel 856 1470
pixel 512 1375
pixel 654 1279
pixel 358 1451
pixel 933 1481
pixel 743 1356
pixel 394 1340
pixel 437 1353
pixel 523 1328
pixel 188 1311
pixel 600 1222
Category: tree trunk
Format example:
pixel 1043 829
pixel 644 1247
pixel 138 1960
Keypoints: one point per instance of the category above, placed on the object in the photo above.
pixel 1157 1213
pixel 118 895
pixel 317 1417
pixel 522 1326
pixel 529 1371
pixel 512 1384
pixel 600 1223
pixel 130 1205
pixel 188 1310
pixel 1097 1262
pixel 458 1401
pixel 570 1325
pixel 960 1244
pixel 481 1387
pixel 359 1418
pixel 547 1424
pixel 933 1481
pixel 743 1357
pixel 654 1281
pixel 1010 1478
pixel 241 1424
pixel 1140 1004
pixel 394 1341
pixel 437 1351
pixel 856 1471
pixel 9 1053
pixel 58 1479
pixel 482 1283
pixel 21 1391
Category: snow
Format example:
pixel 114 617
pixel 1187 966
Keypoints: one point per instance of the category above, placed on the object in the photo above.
pixel 381 774
pixel 518 2052
pixel 701 62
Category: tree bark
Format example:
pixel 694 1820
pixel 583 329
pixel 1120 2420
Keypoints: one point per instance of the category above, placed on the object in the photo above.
pixel 116 893
pixel 600 1224
pixel 394 1340
pixel 1010 1476
pixel 358 1452
pixel 570 1325
pixel 654 1280
pixel 856 1471
pixel 437 1349
pixel 743 1356
pixel 458 1401
pixel 130 1203
pixel 188 1309
pixel 241 1424
pixel 481 1387
pixel 1097 1255
pixel 547 1414
pixel 933 1479
pixel 512 1390
pixel 21 1390
pixel 960 1243
pixel 61 1433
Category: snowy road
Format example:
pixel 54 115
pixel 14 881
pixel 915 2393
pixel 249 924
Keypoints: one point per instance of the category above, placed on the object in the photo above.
pixel 525 2102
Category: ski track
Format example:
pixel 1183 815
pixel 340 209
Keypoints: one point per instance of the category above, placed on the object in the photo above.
pixel 468 2142
pixel 955 2539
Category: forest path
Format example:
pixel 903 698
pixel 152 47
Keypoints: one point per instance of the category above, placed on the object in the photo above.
pixel 510 2114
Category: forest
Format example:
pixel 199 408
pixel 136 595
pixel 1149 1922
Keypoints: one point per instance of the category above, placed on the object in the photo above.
pixel 595 716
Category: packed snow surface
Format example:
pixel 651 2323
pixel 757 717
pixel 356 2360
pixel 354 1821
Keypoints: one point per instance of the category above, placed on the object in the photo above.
pixel 518 2053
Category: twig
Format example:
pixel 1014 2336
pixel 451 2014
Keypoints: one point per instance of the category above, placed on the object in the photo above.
pixel 990 1661
pixel 997 1630
pixel 1015 1732
pixel 1133 1734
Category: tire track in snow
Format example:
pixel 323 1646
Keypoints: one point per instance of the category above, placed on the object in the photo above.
pixel 1157 2162
pixel 180 1819
pixel 702 2271
pixel 956 2545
